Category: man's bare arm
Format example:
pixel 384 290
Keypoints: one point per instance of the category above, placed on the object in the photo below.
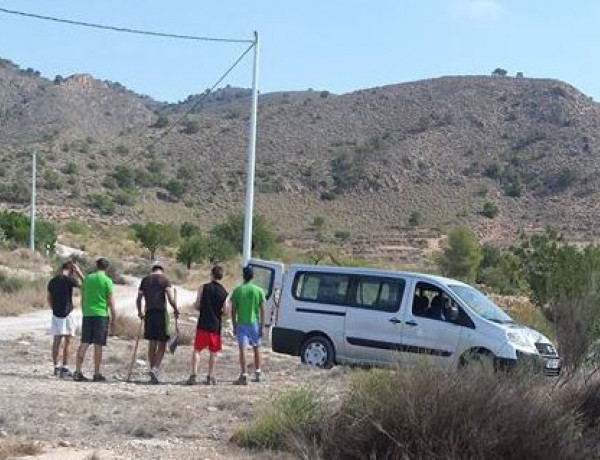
pixel 49 297
pixel 197 302
pixel 172 301
pixel 78 273
pixel 113 310
pixel 138 304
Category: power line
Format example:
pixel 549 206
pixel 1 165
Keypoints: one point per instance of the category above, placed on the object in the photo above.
pixel 124 29
pixel 200 100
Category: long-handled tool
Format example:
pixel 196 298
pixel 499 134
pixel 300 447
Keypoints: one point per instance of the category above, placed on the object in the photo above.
pixel 135 348
pixel 175 340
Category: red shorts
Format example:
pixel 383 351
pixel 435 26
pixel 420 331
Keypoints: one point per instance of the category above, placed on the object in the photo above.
pixel 205 339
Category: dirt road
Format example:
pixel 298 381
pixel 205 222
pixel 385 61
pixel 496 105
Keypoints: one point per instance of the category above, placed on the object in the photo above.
pixel 38 323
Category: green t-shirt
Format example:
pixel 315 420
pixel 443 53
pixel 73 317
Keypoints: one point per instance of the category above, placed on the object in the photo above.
pixel 96 289
pixel 247 299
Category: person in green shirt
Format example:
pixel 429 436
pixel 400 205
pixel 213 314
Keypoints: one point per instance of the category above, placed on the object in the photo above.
pixel 248 317
pixel 97 298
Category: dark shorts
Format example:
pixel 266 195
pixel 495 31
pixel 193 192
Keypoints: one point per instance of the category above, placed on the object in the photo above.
pixel 156 325
pixel 94 329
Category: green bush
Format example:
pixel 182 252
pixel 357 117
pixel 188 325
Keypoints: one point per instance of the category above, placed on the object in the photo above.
pixel 16 228
pixel 490 209
pixel 102 203
pixel 415 219
pixel 124 197
pixel 462 255
pixel 188 229
pixel 176 188
pixel 70 168
pixel 161 122
pixel 294 414
pixel 76 227
pixel 124 176
pixel 52 181
pixel 14 192
pixel 342 235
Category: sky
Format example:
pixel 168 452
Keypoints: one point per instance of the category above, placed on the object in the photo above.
pixel 338 46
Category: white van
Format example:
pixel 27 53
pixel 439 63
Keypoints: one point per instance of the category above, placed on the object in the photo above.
pixel 334 315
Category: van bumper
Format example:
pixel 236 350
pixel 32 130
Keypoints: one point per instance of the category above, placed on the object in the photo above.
pixel 548 365
pixel 287 341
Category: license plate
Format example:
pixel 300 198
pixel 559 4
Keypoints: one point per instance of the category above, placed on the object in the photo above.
pixel 553 364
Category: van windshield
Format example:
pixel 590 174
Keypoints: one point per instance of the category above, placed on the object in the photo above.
pixel 480 304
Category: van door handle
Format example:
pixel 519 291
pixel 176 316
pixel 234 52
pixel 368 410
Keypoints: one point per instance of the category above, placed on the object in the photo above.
pixel 395 320
pixel 411 323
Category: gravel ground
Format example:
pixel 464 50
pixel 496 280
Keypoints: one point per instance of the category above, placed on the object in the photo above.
pixel 138 420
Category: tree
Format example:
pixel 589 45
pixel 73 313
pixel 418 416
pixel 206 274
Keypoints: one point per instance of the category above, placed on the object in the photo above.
pixel 232 231
pixel 498 72
pixel 190 126
pixel 190 251
pixel 153 236
pixel 462 254
pixel 198 248
pixel 188 229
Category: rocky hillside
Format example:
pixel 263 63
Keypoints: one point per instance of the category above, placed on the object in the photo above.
pixel 501 154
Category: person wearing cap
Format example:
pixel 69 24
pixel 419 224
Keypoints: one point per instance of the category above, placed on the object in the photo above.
pixel 155 289
pixel 97 292
pixel 248 317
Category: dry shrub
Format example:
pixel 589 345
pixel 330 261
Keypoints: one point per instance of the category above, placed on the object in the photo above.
pixel 23 297
pixel 14 448
pixel 447 415
pixel 126 327
pixel 294 415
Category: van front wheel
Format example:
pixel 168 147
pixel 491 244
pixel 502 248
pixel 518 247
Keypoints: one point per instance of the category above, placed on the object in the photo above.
pixel 317 351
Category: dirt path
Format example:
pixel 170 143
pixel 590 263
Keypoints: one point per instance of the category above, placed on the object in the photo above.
pixel 38 323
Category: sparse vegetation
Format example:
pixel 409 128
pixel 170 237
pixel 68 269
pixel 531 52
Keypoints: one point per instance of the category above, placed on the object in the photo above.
pixel 154 236
pixel 415 219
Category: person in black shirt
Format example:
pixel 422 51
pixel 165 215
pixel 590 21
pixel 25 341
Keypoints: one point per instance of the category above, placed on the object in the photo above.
pixel 210 303
pixel 60 299
pixel 155 289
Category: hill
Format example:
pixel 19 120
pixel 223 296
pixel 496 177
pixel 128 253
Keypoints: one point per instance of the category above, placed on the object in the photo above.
pixel 366 161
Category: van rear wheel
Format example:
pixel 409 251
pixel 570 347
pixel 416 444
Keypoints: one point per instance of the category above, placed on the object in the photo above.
pixel 317 351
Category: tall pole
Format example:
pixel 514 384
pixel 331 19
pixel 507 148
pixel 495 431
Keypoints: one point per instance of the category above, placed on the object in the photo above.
pixel 33 192
pixel 251 166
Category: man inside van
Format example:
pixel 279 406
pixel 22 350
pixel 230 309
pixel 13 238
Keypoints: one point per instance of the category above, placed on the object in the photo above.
pixel 248 317
pixel 155 289
pixel 60 299
pixel 97 292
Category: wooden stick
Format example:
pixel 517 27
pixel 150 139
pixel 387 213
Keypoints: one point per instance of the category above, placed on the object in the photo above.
pixel 135 348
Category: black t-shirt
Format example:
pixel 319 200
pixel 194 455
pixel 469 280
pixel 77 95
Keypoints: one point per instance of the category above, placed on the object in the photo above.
pixel 154 287
pixel 61 292
pixel 212 302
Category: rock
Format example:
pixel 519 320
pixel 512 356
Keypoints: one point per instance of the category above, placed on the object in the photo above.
pixel 140 362
pixel 212 409
pixel 3 434
pixel 63 443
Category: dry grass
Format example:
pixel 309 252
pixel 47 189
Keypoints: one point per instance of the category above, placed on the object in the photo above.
pixel 16 448
pixel 31 296
pixel 128 327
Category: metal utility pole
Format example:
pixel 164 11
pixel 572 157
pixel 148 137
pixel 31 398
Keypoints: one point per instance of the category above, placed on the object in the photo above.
pixel 33 192
pixel 251 166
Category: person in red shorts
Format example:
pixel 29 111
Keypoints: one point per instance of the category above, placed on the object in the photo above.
pixel 211 304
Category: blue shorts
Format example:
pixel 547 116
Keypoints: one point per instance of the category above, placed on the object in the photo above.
pixel 248 334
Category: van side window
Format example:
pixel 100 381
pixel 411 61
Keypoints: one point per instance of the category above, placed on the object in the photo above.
pixel 321 287
pixel 383 294
pixel 264 277
pixel 429 302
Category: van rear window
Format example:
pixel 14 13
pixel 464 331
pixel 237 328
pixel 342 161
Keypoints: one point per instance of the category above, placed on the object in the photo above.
pixel 321 287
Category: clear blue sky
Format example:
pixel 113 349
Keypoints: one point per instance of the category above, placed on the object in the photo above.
pixel 340 46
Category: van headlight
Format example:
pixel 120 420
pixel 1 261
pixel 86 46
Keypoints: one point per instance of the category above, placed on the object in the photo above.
pixel 518 339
